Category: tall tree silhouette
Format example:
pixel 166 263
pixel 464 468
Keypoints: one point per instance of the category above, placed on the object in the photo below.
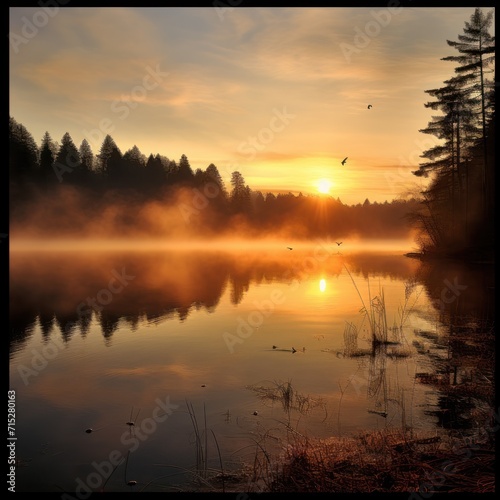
pixel 459 185
pixel 134 163
pixel 115 171
pixel 476 47
pixel 184 174
pixel 87 162
pixel 108 147
pixel 154 175
pixel 23 153
pixel 218 189
pixel 458 130
pixel 47 158
pixel 67 160
pixel 240 194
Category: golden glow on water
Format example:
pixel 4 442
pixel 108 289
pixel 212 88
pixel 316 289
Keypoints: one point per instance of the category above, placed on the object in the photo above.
pixel 199 327
pixel 133 244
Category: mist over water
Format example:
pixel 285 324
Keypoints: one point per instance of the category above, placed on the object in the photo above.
pixel 184 215
pixel 22 243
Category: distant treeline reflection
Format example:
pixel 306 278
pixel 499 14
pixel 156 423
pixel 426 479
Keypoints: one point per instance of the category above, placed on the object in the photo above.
pixel 66 291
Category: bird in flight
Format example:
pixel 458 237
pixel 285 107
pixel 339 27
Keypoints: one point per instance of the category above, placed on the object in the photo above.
pixel 369 106
pixel 338 243
pixel 344 160
pixel 290 248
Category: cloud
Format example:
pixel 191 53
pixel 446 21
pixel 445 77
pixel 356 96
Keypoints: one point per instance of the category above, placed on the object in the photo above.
pixel 84 55
pixel 225 78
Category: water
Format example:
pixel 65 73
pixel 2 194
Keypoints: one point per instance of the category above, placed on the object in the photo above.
pixel 177 342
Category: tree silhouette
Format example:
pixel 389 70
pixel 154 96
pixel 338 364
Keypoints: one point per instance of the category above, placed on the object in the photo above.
pixel 154 175
pixel 67 161
pixel 23 153
pixel 107 147
pixel 134 163
pixel 240 195
pixel 474 46
pixel 127 183
pixel 86 171
pixel 458 197
pixel 184 174
pixel 47 158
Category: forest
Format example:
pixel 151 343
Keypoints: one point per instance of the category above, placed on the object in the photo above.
pixel 62 189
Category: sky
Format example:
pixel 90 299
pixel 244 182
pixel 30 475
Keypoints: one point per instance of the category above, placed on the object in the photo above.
pixel 279 94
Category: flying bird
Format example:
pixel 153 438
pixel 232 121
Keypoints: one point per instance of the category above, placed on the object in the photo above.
pixel 369 106
pixel 338 243
pixel 290 248
pixel 344 160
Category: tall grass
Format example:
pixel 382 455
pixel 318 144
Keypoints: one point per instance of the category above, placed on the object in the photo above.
pixel 201 443
pixel 376 313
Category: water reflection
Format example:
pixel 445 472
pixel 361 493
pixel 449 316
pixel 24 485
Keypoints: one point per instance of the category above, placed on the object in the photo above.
pixel 461 348
pixel 343 374
pixel 65 291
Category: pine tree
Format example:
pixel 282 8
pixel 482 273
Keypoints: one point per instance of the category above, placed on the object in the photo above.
pixel 47 158
pixel 86 156
pixel 67 160
pixel 240 194
pixel 23 153
pixel 108 146
pixel 476 47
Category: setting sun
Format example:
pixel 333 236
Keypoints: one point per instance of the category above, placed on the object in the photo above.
pixel 324 186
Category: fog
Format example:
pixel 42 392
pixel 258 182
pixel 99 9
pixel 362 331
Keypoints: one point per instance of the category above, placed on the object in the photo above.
pixel 184 218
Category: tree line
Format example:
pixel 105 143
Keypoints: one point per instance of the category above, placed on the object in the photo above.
pixel 456 214
pixel 42 176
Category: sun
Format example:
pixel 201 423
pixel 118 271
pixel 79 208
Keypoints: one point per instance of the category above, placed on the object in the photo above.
pixel 324 186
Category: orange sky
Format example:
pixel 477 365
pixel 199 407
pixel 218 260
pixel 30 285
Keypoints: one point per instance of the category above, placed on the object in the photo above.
pixel 279 94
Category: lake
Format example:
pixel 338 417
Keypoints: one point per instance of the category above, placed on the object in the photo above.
pixel 146 368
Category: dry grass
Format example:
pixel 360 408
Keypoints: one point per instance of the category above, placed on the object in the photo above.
pixel 384 461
